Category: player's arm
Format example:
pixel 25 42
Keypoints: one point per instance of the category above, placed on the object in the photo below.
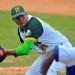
pixel 47 62
pixel 23 49
pixel 33 32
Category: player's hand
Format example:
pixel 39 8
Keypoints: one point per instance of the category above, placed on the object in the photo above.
pixel 2 54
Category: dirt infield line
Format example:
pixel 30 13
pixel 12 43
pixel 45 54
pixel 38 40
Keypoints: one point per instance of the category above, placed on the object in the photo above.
pixel 16 70
pixel 13 70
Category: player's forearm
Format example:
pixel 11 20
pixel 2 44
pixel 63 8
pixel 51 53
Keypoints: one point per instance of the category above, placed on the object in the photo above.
pixel 47 62
pixel 23 49
pixel 10 52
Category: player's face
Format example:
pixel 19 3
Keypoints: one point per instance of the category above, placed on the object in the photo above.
pixel 21 20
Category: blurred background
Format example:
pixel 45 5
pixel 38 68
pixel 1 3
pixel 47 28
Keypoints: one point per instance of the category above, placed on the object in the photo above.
pixel 58 13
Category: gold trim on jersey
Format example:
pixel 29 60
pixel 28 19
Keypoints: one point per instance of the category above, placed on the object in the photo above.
pixel 31 38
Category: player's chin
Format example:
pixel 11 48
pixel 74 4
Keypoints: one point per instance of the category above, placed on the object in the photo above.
pixel 22 25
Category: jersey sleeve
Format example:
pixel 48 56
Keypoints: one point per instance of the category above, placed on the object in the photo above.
pixel 34 29
pixel 25 48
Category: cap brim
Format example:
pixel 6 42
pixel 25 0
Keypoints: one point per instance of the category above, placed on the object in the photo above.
pixel 18 14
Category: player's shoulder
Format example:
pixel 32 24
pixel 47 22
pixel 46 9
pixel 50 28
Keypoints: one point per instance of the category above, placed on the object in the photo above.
pixel 34 26
pixel 34 22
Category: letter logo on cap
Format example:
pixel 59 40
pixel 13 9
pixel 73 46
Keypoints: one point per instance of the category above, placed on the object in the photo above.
pixel 17 9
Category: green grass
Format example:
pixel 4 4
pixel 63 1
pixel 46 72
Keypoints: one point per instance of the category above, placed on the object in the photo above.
pixel 9 38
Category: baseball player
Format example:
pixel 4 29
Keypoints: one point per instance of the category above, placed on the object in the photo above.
pixel 36 35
